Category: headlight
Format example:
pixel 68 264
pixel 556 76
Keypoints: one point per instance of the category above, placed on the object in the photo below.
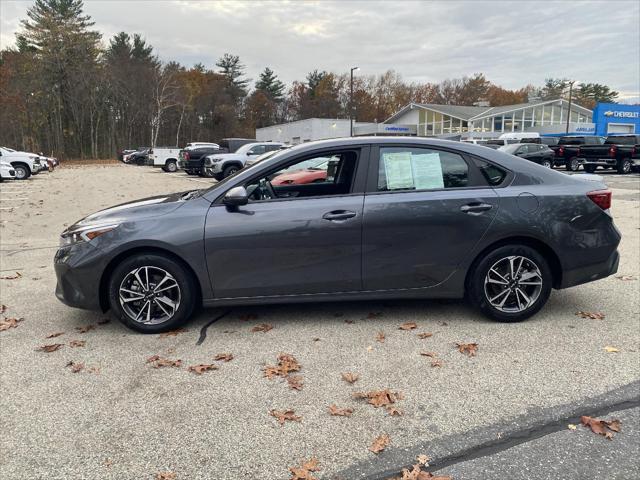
pixel 84 234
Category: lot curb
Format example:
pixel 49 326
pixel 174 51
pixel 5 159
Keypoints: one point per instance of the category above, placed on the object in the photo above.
pixel 484 441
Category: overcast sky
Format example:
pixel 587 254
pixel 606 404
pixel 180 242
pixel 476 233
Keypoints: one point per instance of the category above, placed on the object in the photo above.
pixel 512 43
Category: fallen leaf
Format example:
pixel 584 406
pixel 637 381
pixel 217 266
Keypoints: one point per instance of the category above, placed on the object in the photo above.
pixel 50 348
pixel 408 326
pixel 380 337
pixel 571 426
pixel 423 459
pixel 75 367
pixel 304 472
pixel 3 308
pixel 152 358
pixel 467 348
pixel 286 364
pixel 436 363
pixel 316 339
pixel 369 348
pixel 611 349
pixel 350 377
pixel 8 323
pixel 11 277
pixel 165 476
pixel 77 343
pixel 600 426
pixel 159 362
pixel 173 333
pixel 380 443
pixel 54 335
pixel 85 329
pixel 591 315
pixel 429 354
pixel 626 278
pixel 340 412
pixel 285 415
pixel 424 335
pixel 379 398
pixel 201 368
pixel 263 327
pixel 295 382
pixel 394 412
pixel 614 425
pixel 223 357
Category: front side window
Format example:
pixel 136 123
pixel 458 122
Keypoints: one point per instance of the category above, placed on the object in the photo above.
pixel 330 173
pixel 406 168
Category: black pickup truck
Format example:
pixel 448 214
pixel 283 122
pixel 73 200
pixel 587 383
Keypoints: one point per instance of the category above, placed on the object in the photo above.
pixel 191 160
pixel 621 152
pixel 566 150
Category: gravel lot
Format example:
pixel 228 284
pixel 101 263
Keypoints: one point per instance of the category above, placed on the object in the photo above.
pixel 120 418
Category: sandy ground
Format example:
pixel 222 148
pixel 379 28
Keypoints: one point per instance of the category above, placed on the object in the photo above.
pixel 119 418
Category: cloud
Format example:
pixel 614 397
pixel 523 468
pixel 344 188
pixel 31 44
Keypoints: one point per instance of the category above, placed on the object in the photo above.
pixel 513 43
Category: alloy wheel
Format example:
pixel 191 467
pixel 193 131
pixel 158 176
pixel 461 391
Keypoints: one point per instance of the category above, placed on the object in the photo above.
pixel 149 295
pixel 575 165
pixel 513 284
pixel 21 172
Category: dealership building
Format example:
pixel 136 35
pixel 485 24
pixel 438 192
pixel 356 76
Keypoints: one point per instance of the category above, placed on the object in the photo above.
pixel 547 117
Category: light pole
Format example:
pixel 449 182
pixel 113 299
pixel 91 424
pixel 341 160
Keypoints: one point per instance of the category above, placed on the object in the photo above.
pixel 353 69
pixel 569 111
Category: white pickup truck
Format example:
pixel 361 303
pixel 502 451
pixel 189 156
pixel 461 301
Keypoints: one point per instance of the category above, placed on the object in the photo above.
pixel 25 164
pixel 165 158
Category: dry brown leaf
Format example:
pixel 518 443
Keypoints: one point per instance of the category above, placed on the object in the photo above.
pixel 85 329
pixel 201 368
pixel 380 337
pixel 394 412
pixel 408 326
pixel 75 367
pixel 424 335
pixel 165 476
pixel 350 377
pixel 626 278
pixel 429 354
pixel 54 335
pixel 600 426
pixel 173 333
pixel 50 348
pixel 295 382
pixel 422 459
pixel 609 349
pixel 153 358
pixel 77 343
pixel 263 327
pixel 8 323
pixel 379 398
pixel 223 357
pixel 380 443
pixel 614 425
pixel 469 349
pixel 340 412
pixel 285 415
pixel 591 315
pixel 159 362
pixel 436 363
pixel 11 277
pixel 305 471
pixel 286 364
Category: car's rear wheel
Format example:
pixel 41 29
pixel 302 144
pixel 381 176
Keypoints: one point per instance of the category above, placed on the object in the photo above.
pixel 511 283
pixel 22 171
pixel 624 166
pixel 590 168
pixel 573 164
pixel 171 166
pixel 546 163
pixel 152 293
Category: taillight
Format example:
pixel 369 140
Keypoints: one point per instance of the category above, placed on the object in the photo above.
pixel 561 151
pixel 186 155
pixel 602 198
pixel 612 151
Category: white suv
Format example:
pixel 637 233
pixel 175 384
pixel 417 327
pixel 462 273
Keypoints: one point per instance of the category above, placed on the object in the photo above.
pixel 25 164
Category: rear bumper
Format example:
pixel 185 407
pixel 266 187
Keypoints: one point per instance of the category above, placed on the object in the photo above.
pixel 193 166
pixel 589 273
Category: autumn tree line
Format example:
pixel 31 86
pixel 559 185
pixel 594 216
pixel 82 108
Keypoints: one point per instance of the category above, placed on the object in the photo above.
pixel 66 91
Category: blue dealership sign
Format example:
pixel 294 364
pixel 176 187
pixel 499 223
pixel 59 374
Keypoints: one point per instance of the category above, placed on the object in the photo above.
pixel 612 118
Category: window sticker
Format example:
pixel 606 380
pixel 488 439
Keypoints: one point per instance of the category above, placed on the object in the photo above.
pixel 427 171
pixel 397 167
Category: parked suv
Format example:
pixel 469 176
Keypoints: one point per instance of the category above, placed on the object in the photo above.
pixel 224 165
pixel 619 151
pixel 190 159
pixel 566 150
pixel 534 152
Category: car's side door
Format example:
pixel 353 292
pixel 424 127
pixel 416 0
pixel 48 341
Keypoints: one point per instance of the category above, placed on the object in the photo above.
pixel 295 240
pixel 425 210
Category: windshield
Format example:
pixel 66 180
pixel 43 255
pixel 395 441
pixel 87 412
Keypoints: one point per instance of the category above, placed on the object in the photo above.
pixel 245 148
pixel 571 141
pixel 509 148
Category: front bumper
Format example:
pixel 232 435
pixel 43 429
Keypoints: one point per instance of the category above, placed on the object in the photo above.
pixel 78 272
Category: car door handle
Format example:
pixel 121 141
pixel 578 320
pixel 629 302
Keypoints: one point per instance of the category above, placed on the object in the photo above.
pixel 475 208
pixel 338 215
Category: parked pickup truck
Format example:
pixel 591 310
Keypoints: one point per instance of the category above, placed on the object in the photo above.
pixel 164 157
pixel 191 158
pixel 25 164
pixel 566 150
pixel 621 152
pixel 223 165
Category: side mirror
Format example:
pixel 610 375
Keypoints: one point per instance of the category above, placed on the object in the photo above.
pixel 236 197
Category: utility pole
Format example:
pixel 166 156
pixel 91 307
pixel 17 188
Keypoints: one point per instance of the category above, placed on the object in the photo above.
pixel 569 112
pixel 351 103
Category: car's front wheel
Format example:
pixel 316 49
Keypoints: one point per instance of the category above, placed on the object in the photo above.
pixel 511 283
pixel 573 164
pixel 22 171
pixel 152 293
pixel 546 163
pixel 230 170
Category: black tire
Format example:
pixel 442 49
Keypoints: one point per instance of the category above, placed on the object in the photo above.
pixel 218 176
pixel 170 166
pixel 186 283
pixel 624 166
pixel 22 171
pixel 477 292
pixel 590 168
pixel 546 163
pixel 207 173
pixel 230 170
pixel 572 165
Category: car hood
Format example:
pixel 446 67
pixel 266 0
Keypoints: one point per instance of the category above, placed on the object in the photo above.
pixel 144 208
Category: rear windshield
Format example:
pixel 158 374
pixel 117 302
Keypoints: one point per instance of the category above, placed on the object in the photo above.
pixel 620 140
pixel 571 141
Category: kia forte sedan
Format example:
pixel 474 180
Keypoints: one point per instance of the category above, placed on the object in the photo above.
pixel 394 218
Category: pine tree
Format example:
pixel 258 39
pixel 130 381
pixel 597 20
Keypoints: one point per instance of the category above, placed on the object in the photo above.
pixel 271 85
pixel 233 70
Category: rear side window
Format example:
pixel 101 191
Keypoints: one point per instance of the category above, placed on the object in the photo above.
pixel 408 168
pixel 620 140
pixel 493 175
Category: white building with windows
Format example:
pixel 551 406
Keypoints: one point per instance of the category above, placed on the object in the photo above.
pixel 545 116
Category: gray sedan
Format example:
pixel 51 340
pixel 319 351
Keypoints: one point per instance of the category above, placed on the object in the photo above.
pixel 391 218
